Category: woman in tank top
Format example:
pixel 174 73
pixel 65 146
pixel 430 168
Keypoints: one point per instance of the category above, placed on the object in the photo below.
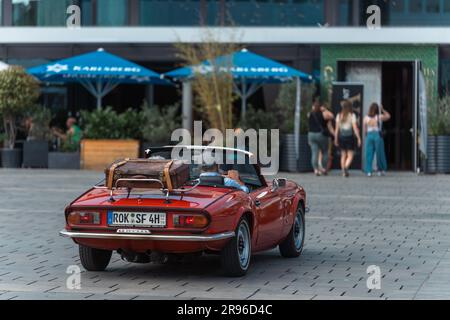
pixel 374 143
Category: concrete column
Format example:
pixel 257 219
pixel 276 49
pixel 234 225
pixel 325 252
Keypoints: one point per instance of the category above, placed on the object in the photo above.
pixel 187 105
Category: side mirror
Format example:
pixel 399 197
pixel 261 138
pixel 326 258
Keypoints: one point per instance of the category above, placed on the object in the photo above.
pixel 282 182
pixel 275 185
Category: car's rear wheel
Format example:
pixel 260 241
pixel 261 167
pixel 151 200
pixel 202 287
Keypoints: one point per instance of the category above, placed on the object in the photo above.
pixel 94 259
pixel 292 246
pixel 237 253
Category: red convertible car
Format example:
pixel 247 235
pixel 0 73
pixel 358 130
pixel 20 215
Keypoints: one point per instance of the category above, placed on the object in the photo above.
pixel 204 216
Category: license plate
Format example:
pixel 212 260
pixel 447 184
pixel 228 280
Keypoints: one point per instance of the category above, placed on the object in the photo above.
pixel 138 219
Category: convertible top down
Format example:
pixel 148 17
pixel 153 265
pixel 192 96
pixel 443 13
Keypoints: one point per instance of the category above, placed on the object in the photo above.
pixel 205 215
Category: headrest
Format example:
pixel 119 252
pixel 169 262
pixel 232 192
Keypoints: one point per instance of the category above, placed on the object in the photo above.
pixel 212 180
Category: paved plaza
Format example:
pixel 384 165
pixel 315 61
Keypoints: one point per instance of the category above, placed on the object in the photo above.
pixel 400 223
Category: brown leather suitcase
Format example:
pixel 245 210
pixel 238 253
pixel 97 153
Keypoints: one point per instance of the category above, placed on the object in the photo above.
pixel 172 173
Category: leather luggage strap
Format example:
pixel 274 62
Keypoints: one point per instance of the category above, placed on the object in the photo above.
pixel 111 172
pixel 166 172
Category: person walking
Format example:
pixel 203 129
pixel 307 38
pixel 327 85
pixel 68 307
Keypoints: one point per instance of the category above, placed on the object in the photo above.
pixel 318 136
pixel 374 143
pixel 344 138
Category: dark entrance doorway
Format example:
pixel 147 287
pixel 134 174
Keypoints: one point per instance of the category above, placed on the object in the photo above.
pixel 397 98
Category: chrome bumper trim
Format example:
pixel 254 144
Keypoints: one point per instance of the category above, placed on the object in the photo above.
pixel 155 237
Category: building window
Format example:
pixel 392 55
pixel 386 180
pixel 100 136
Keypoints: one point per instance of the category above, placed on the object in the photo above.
pixel 169 12
pixel 275 12
pixel 112 12
pixel 40 12
pixel 415 6
pixel 433 6
pixel 397 6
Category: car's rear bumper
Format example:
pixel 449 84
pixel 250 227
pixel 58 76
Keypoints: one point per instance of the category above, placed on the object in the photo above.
pixel 151 237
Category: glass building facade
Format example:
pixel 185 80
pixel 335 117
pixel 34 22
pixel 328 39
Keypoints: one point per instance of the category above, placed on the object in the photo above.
pixel 290 13
pixel 39 12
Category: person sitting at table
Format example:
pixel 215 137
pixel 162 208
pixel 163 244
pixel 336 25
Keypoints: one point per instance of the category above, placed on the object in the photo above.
pixel 72 136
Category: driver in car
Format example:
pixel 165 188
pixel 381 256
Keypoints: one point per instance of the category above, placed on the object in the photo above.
pixel 232 179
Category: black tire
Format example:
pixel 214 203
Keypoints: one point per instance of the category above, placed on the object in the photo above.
pixel 94 259
pixel 292 246
pixel 231 255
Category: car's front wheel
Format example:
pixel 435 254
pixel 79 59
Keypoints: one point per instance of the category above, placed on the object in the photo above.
pixel 292 246
pixel 94 259
pixel 237 253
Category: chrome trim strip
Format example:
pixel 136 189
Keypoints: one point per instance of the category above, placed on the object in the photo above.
pixel 155 237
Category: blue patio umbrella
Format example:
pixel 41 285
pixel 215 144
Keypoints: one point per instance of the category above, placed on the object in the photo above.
pixel 99 72
pixel 250 71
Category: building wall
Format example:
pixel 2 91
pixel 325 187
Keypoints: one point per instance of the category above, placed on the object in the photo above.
pixel 331 54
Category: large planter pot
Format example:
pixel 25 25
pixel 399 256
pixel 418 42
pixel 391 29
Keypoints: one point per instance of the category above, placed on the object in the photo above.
pixel 35 154
pixel 64 160
pixel 431 154
pixel 97 154
pixel 11 158
pixel 443 154
pixel 304 161
pixel 288 160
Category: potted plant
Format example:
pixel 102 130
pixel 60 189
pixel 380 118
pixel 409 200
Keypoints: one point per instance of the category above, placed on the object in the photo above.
pixel 438 153
pixel 285 106
pixel 109 136
pixel 35 148
pixel 18 91
pixel 67 157
pixel 158 125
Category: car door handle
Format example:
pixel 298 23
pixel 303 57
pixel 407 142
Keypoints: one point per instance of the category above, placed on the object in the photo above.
pixel 257 203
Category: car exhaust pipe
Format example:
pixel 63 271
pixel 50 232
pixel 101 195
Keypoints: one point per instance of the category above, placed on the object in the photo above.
pixel 134 257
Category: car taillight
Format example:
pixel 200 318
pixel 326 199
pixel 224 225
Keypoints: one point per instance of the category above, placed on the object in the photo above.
pixel 83 218
pixel 189 221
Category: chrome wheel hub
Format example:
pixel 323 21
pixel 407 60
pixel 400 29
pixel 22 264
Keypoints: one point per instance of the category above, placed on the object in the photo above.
pixel 298 231
pixel 243 245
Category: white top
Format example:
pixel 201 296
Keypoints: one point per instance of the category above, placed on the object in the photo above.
pixel 348 123
pixel 372 123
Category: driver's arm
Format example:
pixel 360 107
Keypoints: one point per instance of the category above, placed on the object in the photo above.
pixel 232 179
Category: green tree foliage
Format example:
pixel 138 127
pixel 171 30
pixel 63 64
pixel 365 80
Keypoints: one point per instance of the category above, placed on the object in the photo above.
pixel 18 91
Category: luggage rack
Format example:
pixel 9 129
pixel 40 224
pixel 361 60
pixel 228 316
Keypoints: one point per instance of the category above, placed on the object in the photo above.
pixel 164 190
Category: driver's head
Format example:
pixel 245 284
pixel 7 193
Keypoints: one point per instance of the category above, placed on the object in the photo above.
pixel 210 167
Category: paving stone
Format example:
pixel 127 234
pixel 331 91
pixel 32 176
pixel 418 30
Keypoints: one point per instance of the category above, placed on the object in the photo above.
pixel 400 223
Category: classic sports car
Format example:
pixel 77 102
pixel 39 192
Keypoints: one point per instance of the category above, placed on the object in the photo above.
pixel 205 216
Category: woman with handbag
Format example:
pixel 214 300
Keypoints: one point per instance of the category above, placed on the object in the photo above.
pixel 318 136
pixel 374 143
pixel 346 131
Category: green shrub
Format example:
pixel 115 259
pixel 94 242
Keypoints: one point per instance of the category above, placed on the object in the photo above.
pixel 159 122
pixel 439 116
pixel 108 124
pixel 40 117
pixel 285 106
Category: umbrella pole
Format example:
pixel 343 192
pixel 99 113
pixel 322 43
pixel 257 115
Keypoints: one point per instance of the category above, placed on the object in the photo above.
pixel 99 102
pixel 243 100
pixel 297 118
pixel 99 95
